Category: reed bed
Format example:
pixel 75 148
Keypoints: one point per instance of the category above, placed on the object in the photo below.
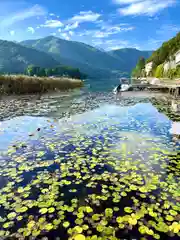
pixel 23 84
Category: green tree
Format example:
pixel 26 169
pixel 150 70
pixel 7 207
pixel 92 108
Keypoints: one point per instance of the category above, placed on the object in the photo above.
pixel 141 63
pixel 159 71
pixel 138 70
pixel 42 72
pixel 32 70
pixel 48 72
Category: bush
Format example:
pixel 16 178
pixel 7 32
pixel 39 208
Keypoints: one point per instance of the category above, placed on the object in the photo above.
pixel 159 72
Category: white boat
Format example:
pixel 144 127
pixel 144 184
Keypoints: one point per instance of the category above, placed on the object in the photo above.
pixel 124 88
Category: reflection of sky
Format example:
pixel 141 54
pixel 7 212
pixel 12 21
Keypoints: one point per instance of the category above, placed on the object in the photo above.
pixel 143 118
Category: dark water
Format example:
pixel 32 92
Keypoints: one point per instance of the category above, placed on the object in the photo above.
pixel 84 165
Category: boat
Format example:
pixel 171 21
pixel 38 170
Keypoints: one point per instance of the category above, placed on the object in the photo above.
pixel 124 88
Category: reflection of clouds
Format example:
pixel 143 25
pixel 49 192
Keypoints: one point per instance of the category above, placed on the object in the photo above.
pixel 107 119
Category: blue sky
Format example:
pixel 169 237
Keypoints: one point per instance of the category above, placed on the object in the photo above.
pixel 106 24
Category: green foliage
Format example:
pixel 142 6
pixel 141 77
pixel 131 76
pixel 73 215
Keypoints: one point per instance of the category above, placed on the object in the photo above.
pixel 173 73
pixel 167 50
pixel 159 71
pixel 138 70
pixel 15 58
pixel 57 71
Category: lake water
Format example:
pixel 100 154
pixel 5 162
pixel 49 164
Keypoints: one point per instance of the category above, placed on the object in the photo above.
pixel 84 165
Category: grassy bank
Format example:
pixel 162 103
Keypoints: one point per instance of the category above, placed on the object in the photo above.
pixel 22 84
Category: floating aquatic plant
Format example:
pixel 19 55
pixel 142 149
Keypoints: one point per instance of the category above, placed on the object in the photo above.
pixel 90 188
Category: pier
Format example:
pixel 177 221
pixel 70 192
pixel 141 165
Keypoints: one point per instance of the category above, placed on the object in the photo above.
pixel 172 87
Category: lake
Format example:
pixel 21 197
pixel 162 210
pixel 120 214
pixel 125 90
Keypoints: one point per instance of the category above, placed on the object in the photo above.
pixel 83 165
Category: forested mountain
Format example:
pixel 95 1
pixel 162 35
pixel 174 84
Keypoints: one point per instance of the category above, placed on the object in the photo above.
pixel 15 58
pixel 130 55
pixel 88 59
pixel 52 52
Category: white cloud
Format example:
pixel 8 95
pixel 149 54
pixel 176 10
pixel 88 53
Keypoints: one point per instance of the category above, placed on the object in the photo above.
pixel 112 44
pixel 106 30
pixel 51 14
pixel 122 2
pixel 118 44
pixel 71 33
pixel 65 36
pixel 31 29
pixel 52 24
pixel 71 26
pixel 87 16
pixel 12 32
pixel 34 11
pixel 143 7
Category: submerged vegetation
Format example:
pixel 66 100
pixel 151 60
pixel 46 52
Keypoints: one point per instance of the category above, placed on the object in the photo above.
pixel 93 186
pixel 22 84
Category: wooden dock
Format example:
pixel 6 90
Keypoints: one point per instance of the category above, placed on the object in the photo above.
pixel 173 89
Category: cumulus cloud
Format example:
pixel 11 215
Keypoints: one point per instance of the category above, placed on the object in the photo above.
pixel 85 16
pixel 143 7
pixel 71 26
pixel 31 29
pixel 52 24
pixel 71 33
pixel 65 36
pixel 12 32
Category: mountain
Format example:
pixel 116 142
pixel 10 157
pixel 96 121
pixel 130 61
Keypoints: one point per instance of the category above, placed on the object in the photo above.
pixel 90 60
pixel 14 58
pixel 130 55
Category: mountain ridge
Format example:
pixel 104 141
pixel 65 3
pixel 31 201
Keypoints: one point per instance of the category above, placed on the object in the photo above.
pixel 56 51
pixel 15 57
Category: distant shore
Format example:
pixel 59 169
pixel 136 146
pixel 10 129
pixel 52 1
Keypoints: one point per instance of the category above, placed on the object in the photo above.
pixel 23 84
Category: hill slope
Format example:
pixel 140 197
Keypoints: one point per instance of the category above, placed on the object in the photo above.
pixel 167 50
pixel 88 59
pixel 76 51
pixel 165 54
pixel 130 55
pixel 14 58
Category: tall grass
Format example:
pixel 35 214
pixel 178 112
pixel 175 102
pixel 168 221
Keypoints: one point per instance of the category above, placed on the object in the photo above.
pixel 22 84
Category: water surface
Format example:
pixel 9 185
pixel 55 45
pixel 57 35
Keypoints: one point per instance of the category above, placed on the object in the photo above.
pixel 87 166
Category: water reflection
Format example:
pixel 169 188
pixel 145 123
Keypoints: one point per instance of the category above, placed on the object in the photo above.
pixel 103 172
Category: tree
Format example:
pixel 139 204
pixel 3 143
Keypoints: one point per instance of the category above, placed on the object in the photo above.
pixel 42 72
pixel 138 70
pixel 32 70
pixel 141 63
pixel 159 71
pixel 48 71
